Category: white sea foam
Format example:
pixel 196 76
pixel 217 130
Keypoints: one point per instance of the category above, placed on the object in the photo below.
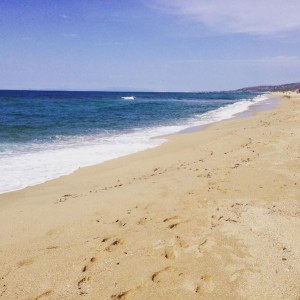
pixel 229 111
pixel 38 163
pixel 128 97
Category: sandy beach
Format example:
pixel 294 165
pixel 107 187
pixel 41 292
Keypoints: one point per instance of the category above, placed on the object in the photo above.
pixel 212 214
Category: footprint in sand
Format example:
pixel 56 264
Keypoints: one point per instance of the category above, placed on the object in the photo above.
pixel 170 219
pixel 26 262
pixel 182 243
pixel 122 296
pixel 159 275
pixel 142 221
pixel 206 285
pixel 174 224
pixel 171 226
pixel 45 294
pixel 114 245
pixel 65 197
pixel 89 264
pixel 128 294
pixel 55 232
pixel 170 253
pixel 51 247
pixel 82 285
pixel 106 239
pixel 122 222
pixel 206 246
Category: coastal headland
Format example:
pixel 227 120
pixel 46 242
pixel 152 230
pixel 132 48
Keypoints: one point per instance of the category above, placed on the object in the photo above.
pixel 211 214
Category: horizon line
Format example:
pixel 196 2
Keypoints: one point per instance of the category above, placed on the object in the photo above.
pixel 147 91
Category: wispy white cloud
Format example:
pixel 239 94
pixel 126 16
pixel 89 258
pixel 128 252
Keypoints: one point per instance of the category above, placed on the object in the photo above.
pixel 261 17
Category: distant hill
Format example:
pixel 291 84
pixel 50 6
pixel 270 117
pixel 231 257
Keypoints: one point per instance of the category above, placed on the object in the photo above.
pixel 271 88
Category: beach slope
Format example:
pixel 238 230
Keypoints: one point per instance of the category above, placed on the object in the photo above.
pixel 211 214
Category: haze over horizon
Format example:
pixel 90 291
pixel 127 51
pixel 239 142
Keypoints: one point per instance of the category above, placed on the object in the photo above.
pixel 155 45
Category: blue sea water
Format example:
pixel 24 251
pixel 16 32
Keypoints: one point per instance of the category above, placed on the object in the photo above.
pixel 45 134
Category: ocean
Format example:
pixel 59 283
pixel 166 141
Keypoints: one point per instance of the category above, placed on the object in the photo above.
pixel 47 134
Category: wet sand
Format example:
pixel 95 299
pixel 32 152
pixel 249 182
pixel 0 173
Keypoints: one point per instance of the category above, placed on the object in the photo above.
pixel 211 214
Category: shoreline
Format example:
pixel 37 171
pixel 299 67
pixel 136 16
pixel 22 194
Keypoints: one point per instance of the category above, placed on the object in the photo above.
pixel 209 214
pixel 251 110
pixel 263 104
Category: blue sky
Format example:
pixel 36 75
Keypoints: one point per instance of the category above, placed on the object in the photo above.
pixel 158 45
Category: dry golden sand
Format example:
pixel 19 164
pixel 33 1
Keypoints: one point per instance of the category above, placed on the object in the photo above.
pixel 212 214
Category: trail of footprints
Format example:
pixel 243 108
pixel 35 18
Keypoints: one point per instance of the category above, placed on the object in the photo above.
pixel 231 214
pixel 179 165
pixel 112 243
pixel 171 250
pixel 155 172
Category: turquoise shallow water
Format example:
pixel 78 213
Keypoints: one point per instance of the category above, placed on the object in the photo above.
pixel 47 134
